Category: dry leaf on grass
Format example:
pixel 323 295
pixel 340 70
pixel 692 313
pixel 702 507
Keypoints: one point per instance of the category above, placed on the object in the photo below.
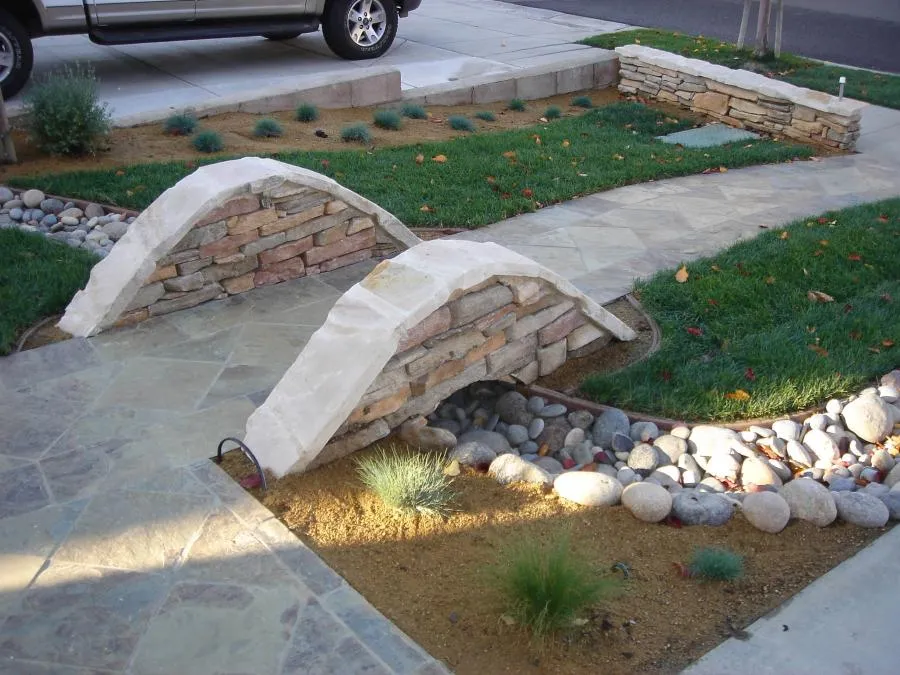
pixel 426 209
pixel 440 159
pixel 819 296
pixel 738 395
pixel 821 351
pixel 420 158
pixel 682 274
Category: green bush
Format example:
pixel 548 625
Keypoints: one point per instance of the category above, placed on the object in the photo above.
pixel 182 124
pixel 387 119
pixel 583 102
pixel 546 586
pixel 460 123
pixel 307 112
pixel 64 115
pixel 356 133
pixel 553 112
pixel 409 482
pixel 716 564
pixel 267 128
pixel 414 112
pixel 486 115
pixel 208 141
pixel 517 104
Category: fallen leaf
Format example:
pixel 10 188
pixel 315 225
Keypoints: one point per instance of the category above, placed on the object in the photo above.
pixel 440 159
pixel 716 268
pixel 764 227
pixel 749 374
pixel 875 350
pixel 887 297
pixel 528 193
pixel 694 330
pixel 818 252
pixel 723 169
pixel 769 280
pixel 251 481
pixel 854 257
pixel 738 395
pixel 810 329
pixel 579 622
pixel 510 154
pixel 665 376
pixel 887 343
pixel 819 296
pixel 120 173
pixel 821 351
pixel 823 242
pixel 847 308
pixel 543 119
pixel 805 272
pixel 191 165
pixel 426 209
pixel 507 619
pixel 544 450
pixel 452 469
pixel 490 179
pixel 785 234
pixel 822 221
pixel 566 144
pixel 537 139
pixel 883 218
pixel 681 275
pixel 325 163
pixel 855 335
pixel 710 301
pixel 420 158
pixel 618 157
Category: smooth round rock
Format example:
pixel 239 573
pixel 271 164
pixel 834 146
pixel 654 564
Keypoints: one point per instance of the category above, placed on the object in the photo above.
pixel 818 422
pixel 473 454
pixel 606 469
pixel 535 428
pixel 822 445
pixel 694 507
pixel 93 211
pixel 6 195
pixel 672 447
pixel 32 198
pixel 883 461
pixel 681 431
pixel 762 432
pixel 647 502
pixel 512 408
pixel 608 424
pixel 583 453
pixel 643 432
pixel 625 475
pixel 810 501
pixel 553 410
pixel 588 488
pixel 516 434
pixel 575 436
pixel 621 443
pixel 496 442
pixel 643 459
pixel 710 484
pixel 889 394
pixel 724 467
pixel 528 447
pixel 535 405
pixel 834 407
pixel 859 508
pixel 893 477
pixel 554 433
pixel 841 484
pixel 892 501
pixel 550 465
pixel 787 429
pixel 509 468
pixel 869 417
pixel 782 470
pixel 421 436
pixel 709 440
pixel 766 511
pixel 755 471
pixel 581 419
pixel 748 436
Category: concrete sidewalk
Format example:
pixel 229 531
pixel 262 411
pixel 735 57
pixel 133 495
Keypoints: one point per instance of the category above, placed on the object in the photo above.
pixel 442 41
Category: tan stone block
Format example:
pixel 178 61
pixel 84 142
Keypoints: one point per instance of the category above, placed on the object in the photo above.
pixel 251 221
pixel 239 284
pixel 732 91
pixel 664 95
pixel 290 222
pixel 741 115
pixel 286 206
pixel 186 301
pixel 199 236
pixel 342 261
pixel 428 402
pixel 710 102
pixel 178 258
pixel 274 273
pixel 193 266
pixel 691 88
pixel 475 305
pixel 512 356
pixel 799 135
pixel 132 318
pixel 444 372
pixel 525 291
pixel 364 239
pixel 359 224
pixel 349 443
pixel 749 107
pixel 331 235
pixel 191 282
pixel 801 112
pixel 228 245
pixel 147 295
pixel 498 320
pixel 534 322
pixel 805 127
pixel 551 357
pixel 446 349
pixel 435 323
pixel 584 335
pixel 489 346
pixel 218 272
pixel 528 374
pixel 334 206
pixel 561 327
pixel 264 243
pixel 285 251
pixel 385 406
pixel 161 274
pixel 225 259
pixel 649 88
pixel 236 206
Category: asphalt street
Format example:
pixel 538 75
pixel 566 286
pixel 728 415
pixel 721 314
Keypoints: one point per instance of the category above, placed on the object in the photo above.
pixel 864 33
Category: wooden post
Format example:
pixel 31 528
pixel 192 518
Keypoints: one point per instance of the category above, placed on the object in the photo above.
pixel 9 150
pixel 779 18
pixel 762 29
pixel 745 19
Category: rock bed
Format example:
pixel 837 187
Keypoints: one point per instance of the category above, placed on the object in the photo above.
pixel 842 463
pixel 92 228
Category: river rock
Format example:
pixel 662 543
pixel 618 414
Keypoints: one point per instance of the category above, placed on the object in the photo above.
pixel 588 488
pixel 553 410
pixel 766 511
pixel 643 432
pixel 672 447
pixel 554 434
pixel 626 476
pixel 575 436
pixel 509 468
pixel 648 502
pixel 782 470
pixel 417 433
pixel 892 501
pixel 581 419
pixel 787 429
pixel 710 440
pixel 724 467
pixel 609 423
pixel 496 442
pixel 643 459
pixel 798 454
pixel 818 422
pixel 33 198
pixel 822 445
pixel 869 417
pixel 513 408
pixel 535 428
pixel 621 443
pixel 535 405
pixel 882 460
pixel 810 501
pixel 473 454
pixel 710 484
pixel 891 379
pixel 516 434
pixel 694 507
pixel 889 394
pixel 582 453
pixel 859 508
pixel 755 471
pixel 549 464
pixel 893 477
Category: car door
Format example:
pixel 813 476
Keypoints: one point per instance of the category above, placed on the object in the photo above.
pixel 224 9
pixel 129 12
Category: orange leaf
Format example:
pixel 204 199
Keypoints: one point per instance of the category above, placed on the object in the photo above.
pixel 528 193
pixel 818 252
pixel 785 234
pixel 537 139
pixel 490 179
pixel 822 221
pixel 426 209
pixel 510 154
pixel 821 351
pixel 666 375
pixel 854 257
pixel 770 280
pixel 565 144
pixel 712 302
pixel 694 330
pixel 681 275
pixel 723 169
pixel 737 395
pixel 855 335
pixel 883 218
pixel 819 296
pixel 618 157
pixel 875 350
pixel 749 374
pixel 716 268
pixel 887 343
pixel 420 158
pixel 440 159
pixel 823 242
pixel 120 173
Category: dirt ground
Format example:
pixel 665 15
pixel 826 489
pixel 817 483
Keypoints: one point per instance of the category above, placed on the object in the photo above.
pixel 150 143
pixel 433 577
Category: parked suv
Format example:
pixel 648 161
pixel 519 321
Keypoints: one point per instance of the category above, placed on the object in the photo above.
pixel 353 29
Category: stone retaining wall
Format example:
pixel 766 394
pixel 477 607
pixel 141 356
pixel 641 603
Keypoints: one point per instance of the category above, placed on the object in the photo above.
pixel 740 98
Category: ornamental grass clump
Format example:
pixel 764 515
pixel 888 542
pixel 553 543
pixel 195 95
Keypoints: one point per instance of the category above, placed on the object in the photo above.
pixel 716 564
pixel 208 142
pixel 582 102
pixel 181 124
pixel 356 133
pixel 460 123
pixel 412 482
pixel 267 128
pixel 553 112
pixel 486 116
pixel 387 119
pixel 414 112
pixel 546 586
pixel 517 104
pixel 307 112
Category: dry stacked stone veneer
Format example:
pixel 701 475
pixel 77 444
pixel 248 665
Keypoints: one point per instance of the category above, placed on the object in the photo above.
pixel 740 98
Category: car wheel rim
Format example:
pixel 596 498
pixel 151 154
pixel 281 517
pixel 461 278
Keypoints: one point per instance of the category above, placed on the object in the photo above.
pixel 367 22
pixel 7 57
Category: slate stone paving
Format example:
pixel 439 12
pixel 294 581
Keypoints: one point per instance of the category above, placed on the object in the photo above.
pixel 708 136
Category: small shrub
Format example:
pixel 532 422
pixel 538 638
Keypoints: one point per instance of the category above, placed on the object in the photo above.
pixel 208 141
pixel 517 104
pixel 414 112
pixel 387 119
pixel 583 102
pixel 267 128
pixel 182 124
pixel 358 133
pixel 716 564
pixel 460 123
pixel 546 586
pixel 486 115
pixel 65 117
pixel 553 113
pixel 411 482
pixel 307 112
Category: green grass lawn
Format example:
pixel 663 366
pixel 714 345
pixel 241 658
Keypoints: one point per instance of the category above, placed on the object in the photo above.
pixel 741 337
pixel 863 85
pixel 38 277
pixel 486 176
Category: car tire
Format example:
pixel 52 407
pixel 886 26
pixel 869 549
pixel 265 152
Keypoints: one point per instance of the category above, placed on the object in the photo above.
pixel 360 29
pixel 279 37
pixel 14 41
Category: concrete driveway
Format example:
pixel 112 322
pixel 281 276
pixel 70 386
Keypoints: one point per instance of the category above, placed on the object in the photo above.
pixel 442 41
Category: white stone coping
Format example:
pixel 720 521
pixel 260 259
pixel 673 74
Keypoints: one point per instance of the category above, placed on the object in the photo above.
pixel 116 279
pixel 744 79
pixel 342 359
